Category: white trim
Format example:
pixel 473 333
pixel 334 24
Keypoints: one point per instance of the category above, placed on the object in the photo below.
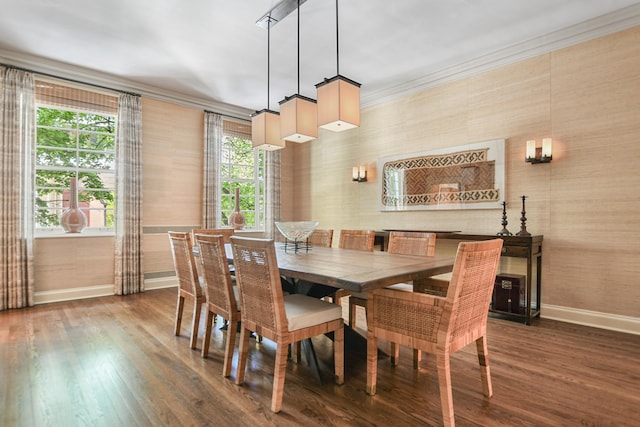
pixel 161 283
pixel 44 297
pixel 614 322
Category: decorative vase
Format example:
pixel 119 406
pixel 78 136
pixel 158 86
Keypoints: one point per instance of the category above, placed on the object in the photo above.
pixel 237 220
pixel 73 220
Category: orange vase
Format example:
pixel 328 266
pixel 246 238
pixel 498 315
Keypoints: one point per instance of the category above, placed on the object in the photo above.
pixel 73 220
pixel 237 220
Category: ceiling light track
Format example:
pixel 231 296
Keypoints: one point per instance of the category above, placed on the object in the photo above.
pixel 277 13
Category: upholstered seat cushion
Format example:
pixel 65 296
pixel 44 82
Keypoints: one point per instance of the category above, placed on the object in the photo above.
pixel 303 311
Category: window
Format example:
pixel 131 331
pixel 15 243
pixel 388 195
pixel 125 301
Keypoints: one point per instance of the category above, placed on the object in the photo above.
pixel 241 166
pixel 75 135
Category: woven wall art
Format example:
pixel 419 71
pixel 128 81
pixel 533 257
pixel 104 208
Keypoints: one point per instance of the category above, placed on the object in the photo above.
pixel 463 177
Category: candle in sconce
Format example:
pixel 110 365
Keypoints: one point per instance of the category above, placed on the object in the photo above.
pixel 546 147
pixel 355 173
pixel 531 149
pixel 363 173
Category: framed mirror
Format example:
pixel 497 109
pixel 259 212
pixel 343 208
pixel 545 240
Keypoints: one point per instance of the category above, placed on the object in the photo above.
pixel 463 177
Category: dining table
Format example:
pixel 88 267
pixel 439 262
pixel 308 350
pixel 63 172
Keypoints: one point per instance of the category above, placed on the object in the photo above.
pixel 353 270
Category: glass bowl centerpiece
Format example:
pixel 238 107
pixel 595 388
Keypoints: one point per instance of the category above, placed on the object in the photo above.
pixel 296 233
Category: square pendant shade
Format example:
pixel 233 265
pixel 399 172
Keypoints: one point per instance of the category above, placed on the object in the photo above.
pixel 338 104
pixel 265 130
pixel 298 118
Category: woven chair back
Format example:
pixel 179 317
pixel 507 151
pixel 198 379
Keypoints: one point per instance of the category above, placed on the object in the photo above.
pixel 321 238
pixel 258 279
pixel 224 232
pixel 218 287
pixel 361 240
pixel 469 295
pixel 412 243
pixel 184 262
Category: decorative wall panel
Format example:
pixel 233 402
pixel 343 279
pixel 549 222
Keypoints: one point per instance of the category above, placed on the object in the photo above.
pixel 463 177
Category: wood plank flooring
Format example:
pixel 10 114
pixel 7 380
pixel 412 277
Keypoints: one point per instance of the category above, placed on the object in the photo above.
pixel 114 361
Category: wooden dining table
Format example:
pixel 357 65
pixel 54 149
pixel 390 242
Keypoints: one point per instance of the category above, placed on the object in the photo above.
pixel 353 270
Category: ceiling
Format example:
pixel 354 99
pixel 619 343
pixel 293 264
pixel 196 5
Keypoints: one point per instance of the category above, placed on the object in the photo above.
pixel 212 53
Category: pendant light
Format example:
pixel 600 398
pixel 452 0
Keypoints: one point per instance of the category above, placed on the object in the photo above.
pixel 298 114
pixel 265 124
pixel 338 98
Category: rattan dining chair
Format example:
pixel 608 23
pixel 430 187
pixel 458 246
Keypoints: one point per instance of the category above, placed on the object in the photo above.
pixel 436 324
pixel 226 233
pixel 321 238
pixel 361 240
pixel 221 298
pixel 284 319
pixel 188 282
pixel 400 242
pixel 406 243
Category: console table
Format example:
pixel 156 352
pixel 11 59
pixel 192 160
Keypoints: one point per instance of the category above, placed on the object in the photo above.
pixel 528 247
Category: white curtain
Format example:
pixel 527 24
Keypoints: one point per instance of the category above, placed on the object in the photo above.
pixel 17 160
pixel 213 132
pixel 272 193
pixel 129 272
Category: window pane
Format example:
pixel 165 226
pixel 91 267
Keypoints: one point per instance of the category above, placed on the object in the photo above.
pixel 96 160
pixel 96 141
pixel 56 138
pixel 96 122
pixel 53 178
pixel 241 172
pixel 53 157
pixel 56 118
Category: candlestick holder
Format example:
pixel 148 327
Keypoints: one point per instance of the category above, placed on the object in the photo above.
pixel 504 231
pixel 523 220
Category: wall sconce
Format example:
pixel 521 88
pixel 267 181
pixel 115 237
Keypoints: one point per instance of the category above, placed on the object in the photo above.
pixel 538 154
pixel 359 174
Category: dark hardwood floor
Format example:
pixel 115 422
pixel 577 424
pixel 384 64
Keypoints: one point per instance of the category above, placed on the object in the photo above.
pixel 114 361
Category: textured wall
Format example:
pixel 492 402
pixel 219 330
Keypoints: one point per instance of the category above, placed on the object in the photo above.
pixel 585 202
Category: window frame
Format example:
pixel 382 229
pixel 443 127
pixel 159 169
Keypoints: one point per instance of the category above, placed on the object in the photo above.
pixel 77 170
pixel 257 179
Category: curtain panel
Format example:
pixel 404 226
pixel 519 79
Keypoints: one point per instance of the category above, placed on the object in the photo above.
pixel 213 134
pixel 272 193
pixel 17 160
pixel 129 272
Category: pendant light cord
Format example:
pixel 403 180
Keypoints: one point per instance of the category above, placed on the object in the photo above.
pixel 337 43
pixel 268 59
pixel 298 47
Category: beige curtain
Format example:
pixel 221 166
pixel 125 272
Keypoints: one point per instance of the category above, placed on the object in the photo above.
pixel 129 272
pixel 213 133
pixel 17 160
pixel 272 193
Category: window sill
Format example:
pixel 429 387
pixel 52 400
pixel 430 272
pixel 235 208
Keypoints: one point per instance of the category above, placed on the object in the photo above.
pixel 59 233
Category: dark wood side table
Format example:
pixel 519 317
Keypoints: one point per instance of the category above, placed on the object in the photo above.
pixel 528 247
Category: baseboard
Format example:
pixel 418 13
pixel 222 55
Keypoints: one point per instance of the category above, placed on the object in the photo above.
pixel 45 297
pixel 160 283
pixel 614 322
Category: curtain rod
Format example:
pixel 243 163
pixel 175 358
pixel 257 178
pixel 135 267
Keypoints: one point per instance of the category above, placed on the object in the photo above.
pixel 70 80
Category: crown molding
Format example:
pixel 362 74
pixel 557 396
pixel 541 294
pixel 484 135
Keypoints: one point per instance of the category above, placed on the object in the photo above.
pixel 588 30
pixel 50 68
